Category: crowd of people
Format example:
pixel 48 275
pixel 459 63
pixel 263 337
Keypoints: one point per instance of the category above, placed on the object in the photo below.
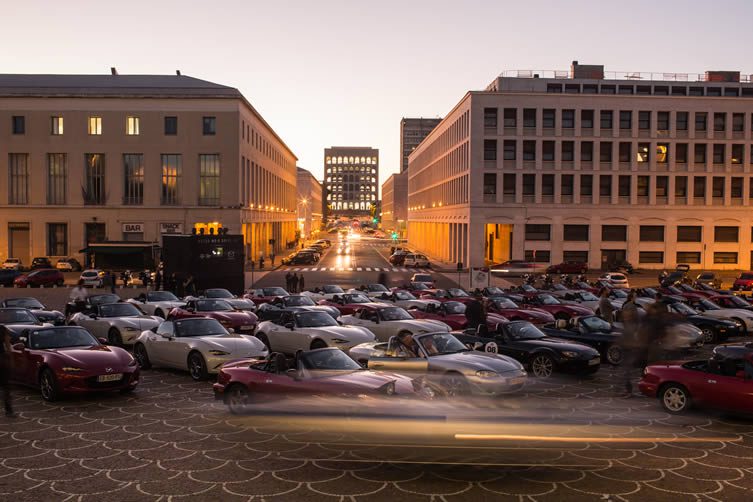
pixel 294 283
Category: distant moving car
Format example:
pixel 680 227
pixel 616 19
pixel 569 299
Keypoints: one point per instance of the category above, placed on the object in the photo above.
pixel 216 308
pixel 326 371
pixel 199 345
pixel 386 321
pixel 119 323
pixel 157 303
pixel 514 268
pixel 37 308
pixel 68 265
pixel 40 278
pixel 568 267
pixel 416 260
pixel 40 262
pixel 617 280
pixel 12 264
pixel 69 360
pixel 743 282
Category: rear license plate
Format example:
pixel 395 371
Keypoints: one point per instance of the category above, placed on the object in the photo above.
pixel 594 361
pixel 110 378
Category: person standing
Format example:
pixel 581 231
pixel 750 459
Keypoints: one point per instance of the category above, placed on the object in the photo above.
pixel 5 365
pixel 111 278
pixel 606 310
pixel 190 285
pixel 474 314
pixel 78 298
pixel 630 342
pixel 261 262
pixel 288 281
pixel 158 280
pixel 294 283
pixel 382 279
pixel 301 283
pixel 272 258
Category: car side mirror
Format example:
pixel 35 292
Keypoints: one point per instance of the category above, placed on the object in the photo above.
pixel 19 346
pixel 290 326
pixel 103 341
pixel 292 373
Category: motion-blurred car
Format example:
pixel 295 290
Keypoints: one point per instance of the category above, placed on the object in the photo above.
pixel 514 268
pixel 242 322
pixel 119 323
pixel 424 278
pixel 37 308
pixel 40 278
pixel 568 267
pixel 386 321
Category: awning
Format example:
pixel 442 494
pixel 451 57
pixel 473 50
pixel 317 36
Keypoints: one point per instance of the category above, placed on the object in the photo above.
pixel 119 247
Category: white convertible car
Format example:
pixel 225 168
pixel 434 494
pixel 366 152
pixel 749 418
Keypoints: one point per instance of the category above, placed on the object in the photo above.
pixel 200 345
pixel 326 292
pixel 158 303
pixel 308 330
pixel 406 300
pixel 120 323
pixel 371 290
pixel 385 322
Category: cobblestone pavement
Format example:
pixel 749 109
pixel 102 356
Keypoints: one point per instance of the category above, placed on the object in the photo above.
pixel 171 441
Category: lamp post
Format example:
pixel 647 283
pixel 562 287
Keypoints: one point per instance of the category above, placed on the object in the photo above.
pixel 304 201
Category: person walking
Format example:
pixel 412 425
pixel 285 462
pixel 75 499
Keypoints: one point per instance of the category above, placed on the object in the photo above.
pixel 288 282
pixel 158 280
pixel 261 262
pixel 5 365
pixel 606 310
pixel 294 283
pixel 301 283
pixel 382 278
pixel 474 314
pixel 111 280
pixel 190 285
pixel 272 258
pixel 78 298
pixel 631 343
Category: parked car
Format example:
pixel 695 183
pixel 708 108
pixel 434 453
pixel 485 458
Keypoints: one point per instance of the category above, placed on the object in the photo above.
pixel 348 303
pixel 398 258
pixel 92 278
pixel 416 260
pixel 12 264
pixel 514 268
pixel 388 320
pixel 425 278
pixel 617 280
pixel 37 308
pixel 241 322
pixel 271 311
pixel 242 304
pixel 40 278
pixel 326 292
pixel 40 262
pixel 743 282
pixel 119 323
pixel 593 331
pixel 508 308
pixel 157 303
pixel 17 320
pixel 452 314
pixel 568 267
pixel 548 303
pixel 7 276
pixel 68 265
pixel 709 279
pixel 265 295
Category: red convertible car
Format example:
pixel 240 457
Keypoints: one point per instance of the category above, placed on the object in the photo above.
pixel 548 303
pixel 322 371
pixel 452 314
pixel 242 322
pixel 450 294
pixel 68 359
pixel 265 295
pixel 508 308
pixel 725 384
pixel 348 303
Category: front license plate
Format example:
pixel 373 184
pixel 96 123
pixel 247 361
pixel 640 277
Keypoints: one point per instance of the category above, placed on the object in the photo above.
pixel 593 362
pixel 110 378
pixel 247 327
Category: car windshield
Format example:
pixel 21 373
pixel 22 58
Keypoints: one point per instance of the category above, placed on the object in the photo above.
pixel 593 323
pixel 377 288
pixel 17 316
pixel 505 303
pixel 559 287
pixel 332 290
pixel 587 296
pixel 90 273
pixel 683 309
pixel 422 278
pixel 218 293
pixel 649 291
pixel 705 276
pixel 528 288
pixel 419 286
pixel 298 301
pixel 454 308
pixel 199 327
pixel 494 291
pixel 242 304
pixel 394 314
pixel 274 292
pixel 617 293
pixel 314 320
pixel 441 343
pixel 328 360
pixel 707 305
pixel 26 303
pixel 358 299
pixel 62 337
pixel 617 277
pixel 118 310
pixel 458 293
pixel 213 306
pixel 737 301
pixel 404 295
pixel 161 296
pixel 101 299
pixel 522 330
pixel 548 300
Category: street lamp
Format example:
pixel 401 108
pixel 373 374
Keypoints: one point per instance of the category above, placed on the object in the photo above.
pixel 304 201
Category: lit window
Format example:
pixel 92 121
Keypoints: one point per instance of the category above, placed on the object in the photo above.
pixel 56 126
pixel 95 126
pixel 132 126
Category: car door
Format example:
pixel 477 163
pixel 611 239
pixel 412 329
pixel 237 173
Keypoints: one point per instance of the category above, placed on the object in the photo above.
pixel 158 344
pixel 726 390
pixel 280 337
pixel 23 365
pixel 509 347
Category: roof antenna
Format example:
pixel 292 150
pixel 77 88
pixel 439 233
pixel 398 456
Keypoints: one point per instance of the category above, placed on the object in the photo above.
pixel 177 72
pixel 113 70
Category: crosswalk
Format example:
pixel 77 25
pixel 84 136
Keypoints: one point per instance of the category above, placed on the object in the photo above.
pixel 357 269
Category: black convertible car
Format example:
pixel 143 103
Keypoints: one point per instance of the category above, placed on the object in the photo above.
pixel 37 308
pixel 593 331
pixel 540 353
pixel 714 329
pixel 292 303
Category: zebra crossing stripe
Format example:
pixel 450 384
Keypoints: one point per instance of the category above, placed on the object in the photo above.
pixel 359 269
pixel 368 269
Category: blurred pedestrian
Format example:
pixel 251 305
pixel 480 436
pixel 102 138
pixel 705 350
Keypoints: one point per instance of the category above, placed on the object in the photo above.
pixel 288 282
pixel 5 364
pixel 111 281
pixel 382 278
pixel 78 298
pixel 294 283
pixel 475 314
pixel 180 289
pixel 631 344
pixel 272 258
pixel 606 309
pixel 261 262
pixel 158 279
pixel 301 283
pixel 190 285
pixel 653 331
pixel 171 281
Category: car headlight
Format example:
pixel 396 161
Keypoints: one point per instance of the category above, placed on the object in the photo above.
pixel 71 369
pixel 486 374
pixel 388 388
pixel 130 328
pixel 569 354
pixel 133 362
pixel 340 340
pixel 218 353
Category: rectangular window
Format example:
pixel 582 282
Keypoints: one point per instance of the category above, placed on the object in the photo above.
pixel 681 119
pixel 529 150
pixel 568 151
pixel 490 118
pixel 133 187
pixel 209 126
pixel 18 178
pixel 644 120
pixel 547 150
pixel 721 258
pixel 738 122
pixel 510 148
pixel 626 119
pixel 547 184
pixel 720 121
pixel 605 151
pixel 643 153
pixel 509 184
pixel 736 188
pixel 605 185
pixel 662 121
pixel 687 233
pixel 587 151
pixel 209 180
pixel 738 153
pixel 575 256
pixel 568 119
pixel 681 153
pixel 650 257
pixel 643 186
pixel 538 232
pixel 57 177
pixel 490 184
pixel 547 118
pixel 652 233
pixel 700 121
pixel 586 184
pixel 681 186
pixel 490 149
pixel 662 153
pixel 566 186
pixel 575 233
pixel 18 124
pixel 624 151
pixel 587 119
pixel 541 256
pixel 717 186
pixel 529 184
pixel 614 233
pixel 95 126
pixel 718 156
pixel 94 186
pixel 171 176
pixel 57 239
pixel 529 117
pixel 511 117
pixel 606 119
pixel 56 125
pixel 624 186
pixel 726 234
pixel 699 187
pixel 662 186
pixel 171 126
pixel 699 153
pixel 132 126
pixel 690 257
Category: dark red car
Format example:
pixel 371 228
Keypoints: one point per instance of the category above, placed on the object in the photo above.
pixel 449 294
pixel 348 303
pixel 265 295
pixel 731 302
pixel 548 303
pixel 40 278
pixel 744 282
pixel 676 291
pixel 568 267
pixel 453 314
pixel 724 384
pixel 242 322
pixel 68 359
pixel 322 371
pixel 508 308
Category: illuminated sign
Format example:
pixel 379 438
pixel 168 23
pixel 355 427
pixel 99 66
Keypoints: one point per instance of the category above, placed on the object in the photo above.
pixel 171 228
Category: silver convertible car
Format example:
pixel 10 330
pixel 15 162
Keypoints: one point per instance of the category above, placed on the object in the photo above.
pixel 309 330
pixel 445 361
pixel 120 323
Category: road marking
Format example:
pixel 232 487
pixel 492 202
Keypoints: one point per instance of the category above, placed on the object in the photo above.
pixel 359 269
pixel 368 269
pixel 395 270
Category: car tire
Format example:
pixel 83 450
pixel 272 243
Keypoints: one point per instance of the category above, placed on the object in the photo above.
pixel 265 340
pixel 675 398
pixel 455 384
pixel 48 385
pixel 708 334
pixel 237 398
pixel 542 365
pixel 614 355
pixel 318 344
pixel 141 356
pixel 197 367
pixel 114 338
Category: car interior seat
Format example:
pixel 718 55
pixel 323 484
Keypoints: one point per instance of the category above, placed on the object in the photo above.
pixel 280 363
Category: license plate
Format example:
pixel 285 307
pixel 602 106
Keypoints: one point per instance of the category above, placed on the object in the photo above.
pixel 593 362
pixel 247 327
pixel 110 378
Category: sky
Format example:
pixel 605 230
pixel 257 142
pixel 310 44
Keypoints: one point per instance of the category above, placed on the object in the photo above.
pixel 343 73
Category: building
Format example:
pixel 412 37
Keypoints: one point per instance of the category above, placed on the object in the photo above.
pixel 412 133
pixel 395 203
pixel 106 161
pixel 310 204
pixel 588 166
pixel 351 180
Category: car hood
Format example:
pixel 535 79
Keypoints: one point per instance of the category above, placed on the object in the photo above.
pixel 427 325
pixel 355 334
pixel 234 317
pixel 44 315
pixel 364 379
pixel 700 318
pixel 143 322
pixel 475 360
pixel 234 343
pixel 93 358
pixel 561 344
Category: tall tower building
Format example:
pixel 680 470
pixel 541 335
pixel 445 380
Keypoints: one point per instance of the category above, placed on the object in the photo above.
pixel 412 133
pixel 351 180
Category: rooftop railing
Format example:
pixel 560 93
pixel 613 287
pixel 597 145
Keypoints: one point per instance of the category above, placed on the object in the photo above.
pixel 621 75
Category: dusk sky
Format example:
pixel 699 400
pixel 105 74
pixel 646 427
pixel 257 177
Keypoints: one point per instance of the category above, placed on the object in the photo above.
pixel 337 72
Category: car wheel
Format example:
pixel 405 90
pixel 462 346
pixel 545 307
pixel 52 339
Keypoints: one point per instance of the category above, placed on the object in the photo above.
pixel 263 339
pixel 542 366
pixel 114 338
pixel 318 344
pixel 708 334
pixel 197 367
pixel 237 398
pixel 141 356
pixel 615 354
pixel 48 386
pixel 674 398
pixel 455 385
